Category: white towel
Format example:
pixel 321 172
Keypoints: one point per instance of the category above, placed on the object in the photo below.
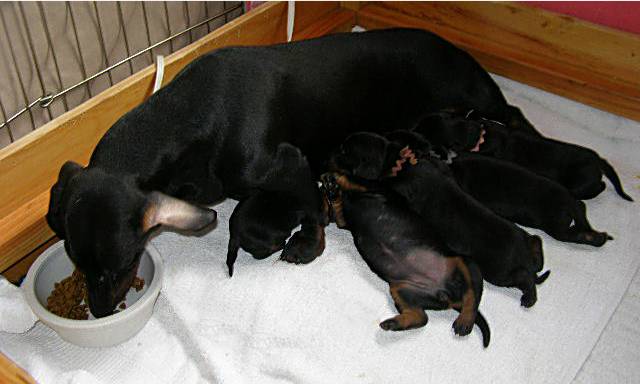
pixel 275 322
pixel 15 314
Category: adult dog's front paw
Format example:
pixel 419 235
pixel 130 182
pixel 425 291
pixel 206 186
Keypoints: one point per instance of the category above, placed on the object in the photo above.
pixel 302 248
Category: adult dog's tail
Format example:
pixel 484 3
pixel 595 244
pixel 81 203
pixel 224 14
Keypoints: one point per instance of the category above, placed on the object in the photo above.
pixel 613 177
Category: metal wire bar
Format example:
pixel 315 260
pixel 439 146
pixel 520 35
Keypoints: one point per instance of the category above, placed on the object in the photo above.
pixel 103 46
pixel 186 12
pixel 53 52
pixel 206 15
pixel 146 24
pixel 33 53
pixel 75 33
pixel 46 100
pixel 16 67
pixel 4 117
pixel 124 34
pixel 166 16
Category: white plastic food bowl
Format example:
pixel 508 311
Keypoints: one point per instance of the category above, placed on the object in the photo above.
pixel 54 265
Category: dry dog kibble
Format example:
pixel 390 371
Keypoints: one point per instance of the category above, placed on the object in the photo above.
pixel 137 284
pixel 69 297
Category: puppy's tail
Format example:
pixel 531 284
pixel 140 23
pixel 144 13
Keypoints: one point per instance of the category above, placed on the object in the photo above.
pixel 541 279
pixel 613 177
pixel 481 322
pixel 232 254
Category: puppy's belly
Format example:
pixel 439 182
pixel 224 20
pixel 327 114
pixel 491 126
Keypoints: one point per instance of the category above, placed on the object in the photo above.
pixel 421 268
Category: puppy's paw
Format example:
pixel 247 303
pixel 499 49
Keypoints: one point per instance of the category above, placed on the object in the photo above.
pixel 302 249
pixel 461 327
pixel 391 324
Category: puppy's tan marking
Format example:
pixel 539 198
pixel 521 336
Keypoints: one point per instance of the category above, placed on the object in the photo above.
pixel 410 316
pixel 347 185
pixel 467 304
pixel 406 154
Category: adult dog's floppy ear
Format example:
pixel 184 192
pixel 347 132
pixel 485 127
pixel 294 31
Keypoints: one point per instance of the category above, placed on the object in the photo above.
pixel 55 215
pixel 165 210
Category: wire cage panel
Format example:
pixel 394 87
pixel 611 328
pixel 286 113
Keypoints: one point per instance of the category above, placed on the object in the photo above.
pixel 52 48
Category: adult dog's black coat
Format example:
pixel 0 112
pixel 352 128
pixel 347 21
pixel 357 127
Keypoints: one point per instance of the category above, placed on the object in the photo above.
pixel 523 197
pixel 398 246
pixel 214 131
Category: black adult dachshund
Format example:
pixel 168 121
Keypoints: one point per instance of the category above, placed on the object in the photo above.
pixel 214 131
pixel 506 254
pixel 398 246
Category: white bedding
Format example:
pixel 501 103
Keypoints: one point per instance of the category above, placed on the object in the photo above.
pixel 279 323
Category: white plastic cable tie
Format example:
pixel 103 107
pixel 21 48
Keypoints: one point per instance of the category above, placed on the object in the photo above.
pixel 159 73
pixel 291 15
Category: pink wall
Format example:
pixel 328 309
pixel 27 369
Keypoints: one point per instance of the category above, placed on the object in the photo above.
pixel 615 14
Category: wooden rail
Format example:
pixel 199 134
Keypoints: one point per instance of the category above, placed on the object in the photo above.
pixel 10 373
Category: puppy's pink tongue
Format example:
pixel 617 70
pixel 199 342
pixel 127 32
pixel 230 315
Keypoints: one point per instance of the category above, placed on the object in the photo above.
pixel 480 141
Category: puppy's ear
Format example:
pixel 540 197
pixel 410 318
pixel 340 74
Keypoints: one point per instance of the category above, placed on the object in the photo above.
pixel 55 215
pixel 165 210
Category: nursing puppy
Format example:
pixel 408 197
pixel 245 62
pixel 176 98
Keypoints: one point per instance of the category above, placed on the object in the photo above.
pixel 523 197
pixel 506 254
pixel 448 130
pixel 578 168
pixel 394 242
pixel 261 224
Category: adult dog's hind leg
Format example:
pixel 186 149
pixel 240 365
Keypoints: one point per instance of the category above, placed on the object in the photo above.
pixel 411 315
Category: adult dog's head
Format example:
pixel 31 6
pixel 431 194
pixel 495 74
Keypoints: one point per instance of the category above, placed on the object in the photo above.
pixel 105 222
pixel 366 155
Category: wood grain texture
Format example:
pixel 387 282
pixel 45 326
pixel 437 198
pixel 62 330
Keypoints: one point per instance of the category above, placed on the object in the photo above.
pixel 586 62
pixel 339 20
pixel 10 373
pixel 19 269
pixel 23 230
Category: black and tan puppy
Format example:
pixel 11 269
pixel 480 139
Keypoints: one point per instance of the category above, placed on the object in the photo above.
pixel 578 168
pixel 395 243
pixel 526 198
pixel 506 254
pixel 261 224
pixel 453 131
